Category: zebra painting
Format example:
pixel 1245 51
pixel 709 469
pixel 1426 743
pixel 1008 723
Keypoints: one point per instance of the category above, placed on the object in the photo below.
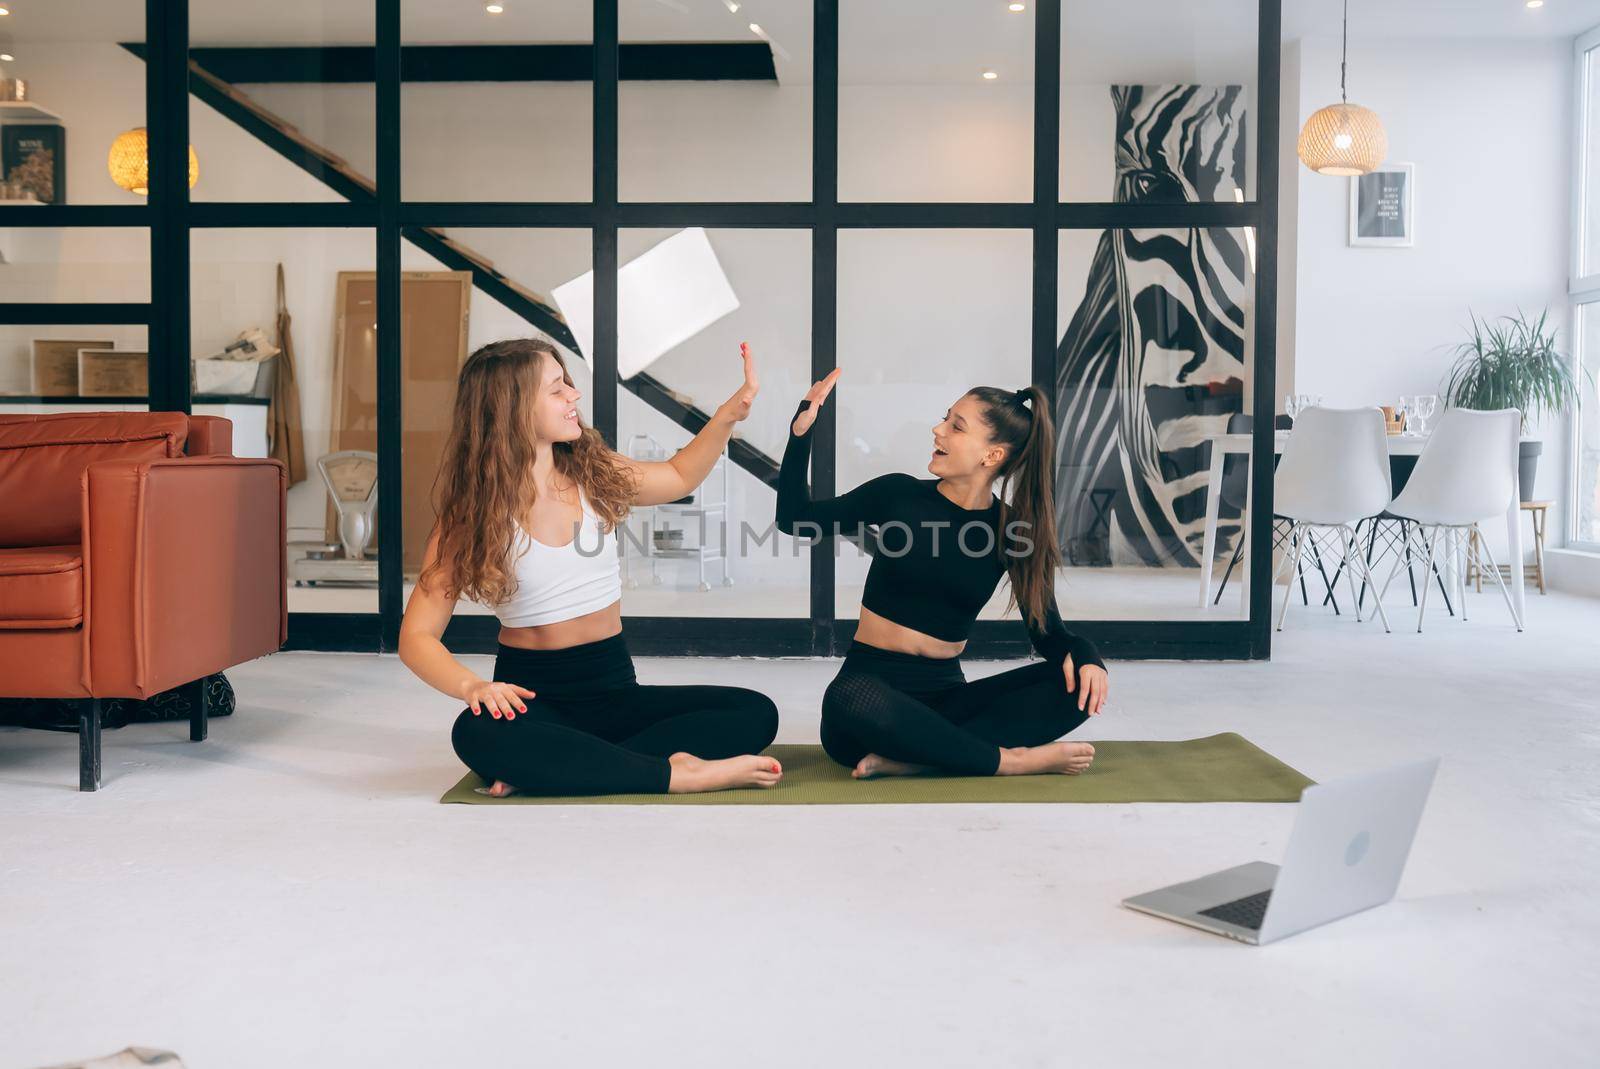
pixel 1154 357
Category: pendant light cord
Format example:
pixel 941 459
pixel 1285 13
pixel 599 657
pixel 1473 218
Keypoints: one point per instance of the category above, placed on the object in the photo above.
pixel 1344 51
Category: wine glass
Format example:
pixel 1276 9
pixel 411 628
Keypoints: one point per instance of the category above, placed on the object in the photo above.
pixel 1405 409
pixel 1291 405
pixel 1425 404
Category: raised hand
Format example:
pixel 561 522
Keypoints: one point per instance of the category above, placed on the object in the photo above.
pixel 816 395
pixel 737 407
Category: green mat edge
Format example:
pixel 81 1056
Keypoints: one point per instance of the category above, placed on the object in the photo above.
pixel 463 792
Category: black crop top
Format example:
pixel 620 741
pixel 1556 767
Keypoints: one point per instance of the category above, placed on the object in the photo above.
pixel 935 564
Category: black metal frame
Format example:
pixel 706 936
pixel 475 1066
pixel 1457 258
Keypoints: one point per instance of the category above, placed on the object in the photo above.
pixel 170 216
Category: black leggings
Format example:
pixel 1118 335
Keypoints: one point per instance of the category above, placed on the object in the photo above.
pixel 593 729
pixel 921 710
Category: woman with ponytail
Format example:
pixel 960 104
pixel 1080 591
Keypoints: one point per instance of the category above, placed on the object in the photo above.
pixel 900 703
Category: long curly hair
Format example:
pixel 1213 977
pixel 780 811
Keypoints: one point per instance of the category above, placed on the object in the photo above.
pixel 485 484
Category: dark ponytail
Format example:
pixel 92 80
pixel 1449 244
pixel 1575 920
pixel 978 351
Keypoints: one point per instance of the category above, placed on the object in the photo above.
pixel 1020 420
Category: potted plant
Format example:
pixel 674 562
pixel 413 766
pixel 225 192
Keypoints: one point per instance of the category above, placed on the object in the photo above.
pixel 1512 362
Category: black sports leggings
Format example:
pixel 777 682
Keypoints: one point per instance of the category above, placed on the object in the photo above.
pixel 593 729
pixel 921 710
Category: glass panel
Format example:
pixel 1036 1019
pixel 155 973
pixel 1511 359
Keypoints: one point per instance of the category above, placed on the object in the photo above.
pixel 80 89
pixel 718 555
pixel 284 88
pixel 924 315
pixel 74 265
pixel 919 120
pixel 709 109
pixel 463 289
pixel 41 369
pixel 1586 511
pixel 1158 101
pixel 1155 357
pixel 233 293
pixel 497 106
pixel 1591 165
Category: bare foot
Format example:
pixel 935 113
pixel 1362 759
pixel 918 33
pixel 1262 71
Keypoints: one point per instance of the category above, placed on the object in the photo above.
pixel 499 789
pixel 690 774
pixel 873 765
pixel 1068 758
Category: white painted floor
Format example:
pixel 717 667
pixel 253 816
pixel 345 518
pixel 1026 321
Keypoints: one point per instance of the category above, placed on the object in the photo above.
pixel 289 892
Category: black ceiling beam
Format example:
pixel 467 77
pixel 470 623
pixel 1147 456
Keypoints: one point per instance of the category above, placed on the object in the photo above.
pixel 746 61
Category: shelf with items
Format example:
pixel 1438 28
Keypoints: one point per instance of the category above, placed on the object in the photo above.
pixel 706 508
pixel 25 111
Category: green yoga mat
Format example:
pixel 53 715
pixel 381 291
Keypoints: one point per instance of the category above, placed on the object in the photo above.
pixel 1218 768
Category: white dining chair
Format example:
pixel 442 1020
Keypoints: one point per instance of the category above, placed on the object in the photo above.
pixel 1334 474
pixel 1467 471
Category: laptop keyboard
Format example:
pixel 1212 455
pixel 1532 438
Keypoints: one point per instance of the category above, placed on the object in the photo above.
pixel 1245 912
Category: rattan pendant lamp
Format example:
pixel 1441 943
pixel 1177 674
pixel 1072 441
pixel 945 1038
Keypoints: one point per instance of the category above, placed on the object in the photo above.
pixel 1343 138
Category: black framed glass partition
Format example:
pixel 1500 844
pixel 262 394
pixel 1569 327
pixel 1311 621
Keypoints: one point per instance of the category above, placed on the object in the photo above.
pixel 870 196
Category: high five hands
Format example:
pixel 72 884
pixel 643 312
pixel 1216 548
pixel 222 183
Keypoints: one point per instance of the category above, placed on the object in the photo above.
pixel 1089 683
pixel 737 407
pixel 816 395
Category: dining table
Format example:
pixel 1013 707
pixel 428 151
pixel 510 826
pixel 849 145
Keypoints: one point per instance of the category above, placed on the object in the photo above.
pixel 1400 445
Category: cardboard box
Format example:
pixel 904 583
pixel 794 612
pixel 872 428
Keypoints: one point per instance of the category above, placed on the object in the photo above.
pixel 113 373
pixel 54 370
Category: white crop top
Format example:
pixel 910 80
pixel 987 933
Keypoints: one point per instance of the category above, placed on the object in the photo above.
pixel 557 583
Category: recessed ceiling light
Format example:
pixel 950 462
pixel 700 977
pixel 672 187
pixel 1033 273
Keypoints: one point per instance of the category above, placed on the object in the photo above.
pixel 1019 7
pixel 6 57
pixel 990 75
pixel 5 11
pixel 1536 3
pixel 733 8
pixel 494 9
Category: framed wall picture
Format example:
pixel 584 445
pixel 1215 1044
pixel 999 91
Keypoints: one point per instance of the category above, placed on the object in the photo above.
pixel 1383 206
pixel 35 154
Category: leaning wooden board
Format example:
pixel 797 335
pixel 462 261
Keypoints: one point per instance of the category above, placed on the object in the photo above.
pixel 433 346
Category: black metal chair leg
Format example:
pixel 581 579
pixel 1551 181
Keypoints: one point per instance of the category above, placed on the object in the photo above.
pixel 1329 599
pixel 198 710
pixel 1442 591
pixel 89 744
pixel 1411 575
pixel 1238 551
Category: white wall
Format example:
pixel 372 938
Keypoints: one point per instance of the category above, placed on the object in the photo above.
pixel 1488 125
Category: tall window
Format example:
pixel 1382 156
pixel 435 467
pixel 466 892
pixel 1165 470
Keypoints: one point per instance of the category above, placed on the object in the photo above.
pixel 1585 290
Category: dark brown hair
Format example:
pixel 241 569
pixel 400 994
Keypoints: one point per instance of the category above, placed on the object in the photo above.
pixel 1019 420
pixel 485 484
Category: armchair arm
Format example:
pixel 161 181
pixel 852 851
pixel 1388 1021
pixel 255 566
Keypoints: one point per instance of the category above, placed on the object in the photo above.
pixel 184 565
pixel 210 436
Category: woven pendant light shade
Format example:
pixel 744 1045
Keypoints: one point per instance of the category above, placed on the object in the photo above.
pixel 1343 139
pixel 129 162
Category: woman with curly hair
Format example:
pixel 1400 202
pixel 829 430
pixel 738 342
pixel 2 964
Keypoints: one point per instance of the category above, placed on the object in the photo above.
pixel 528 501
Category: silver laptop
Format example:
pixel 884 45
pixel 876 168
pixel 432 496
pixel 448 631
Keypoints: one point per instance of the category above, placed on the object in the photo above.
pixel 1346 852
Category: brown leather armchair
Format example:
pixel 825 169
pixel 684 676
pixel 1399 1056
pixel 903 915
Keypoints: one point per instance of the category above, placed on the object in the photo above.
pixel 137 554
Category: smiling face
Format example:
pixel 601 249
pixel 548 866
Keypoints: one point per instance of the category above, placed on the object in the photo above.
pixel 963 444
pixel 555 404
